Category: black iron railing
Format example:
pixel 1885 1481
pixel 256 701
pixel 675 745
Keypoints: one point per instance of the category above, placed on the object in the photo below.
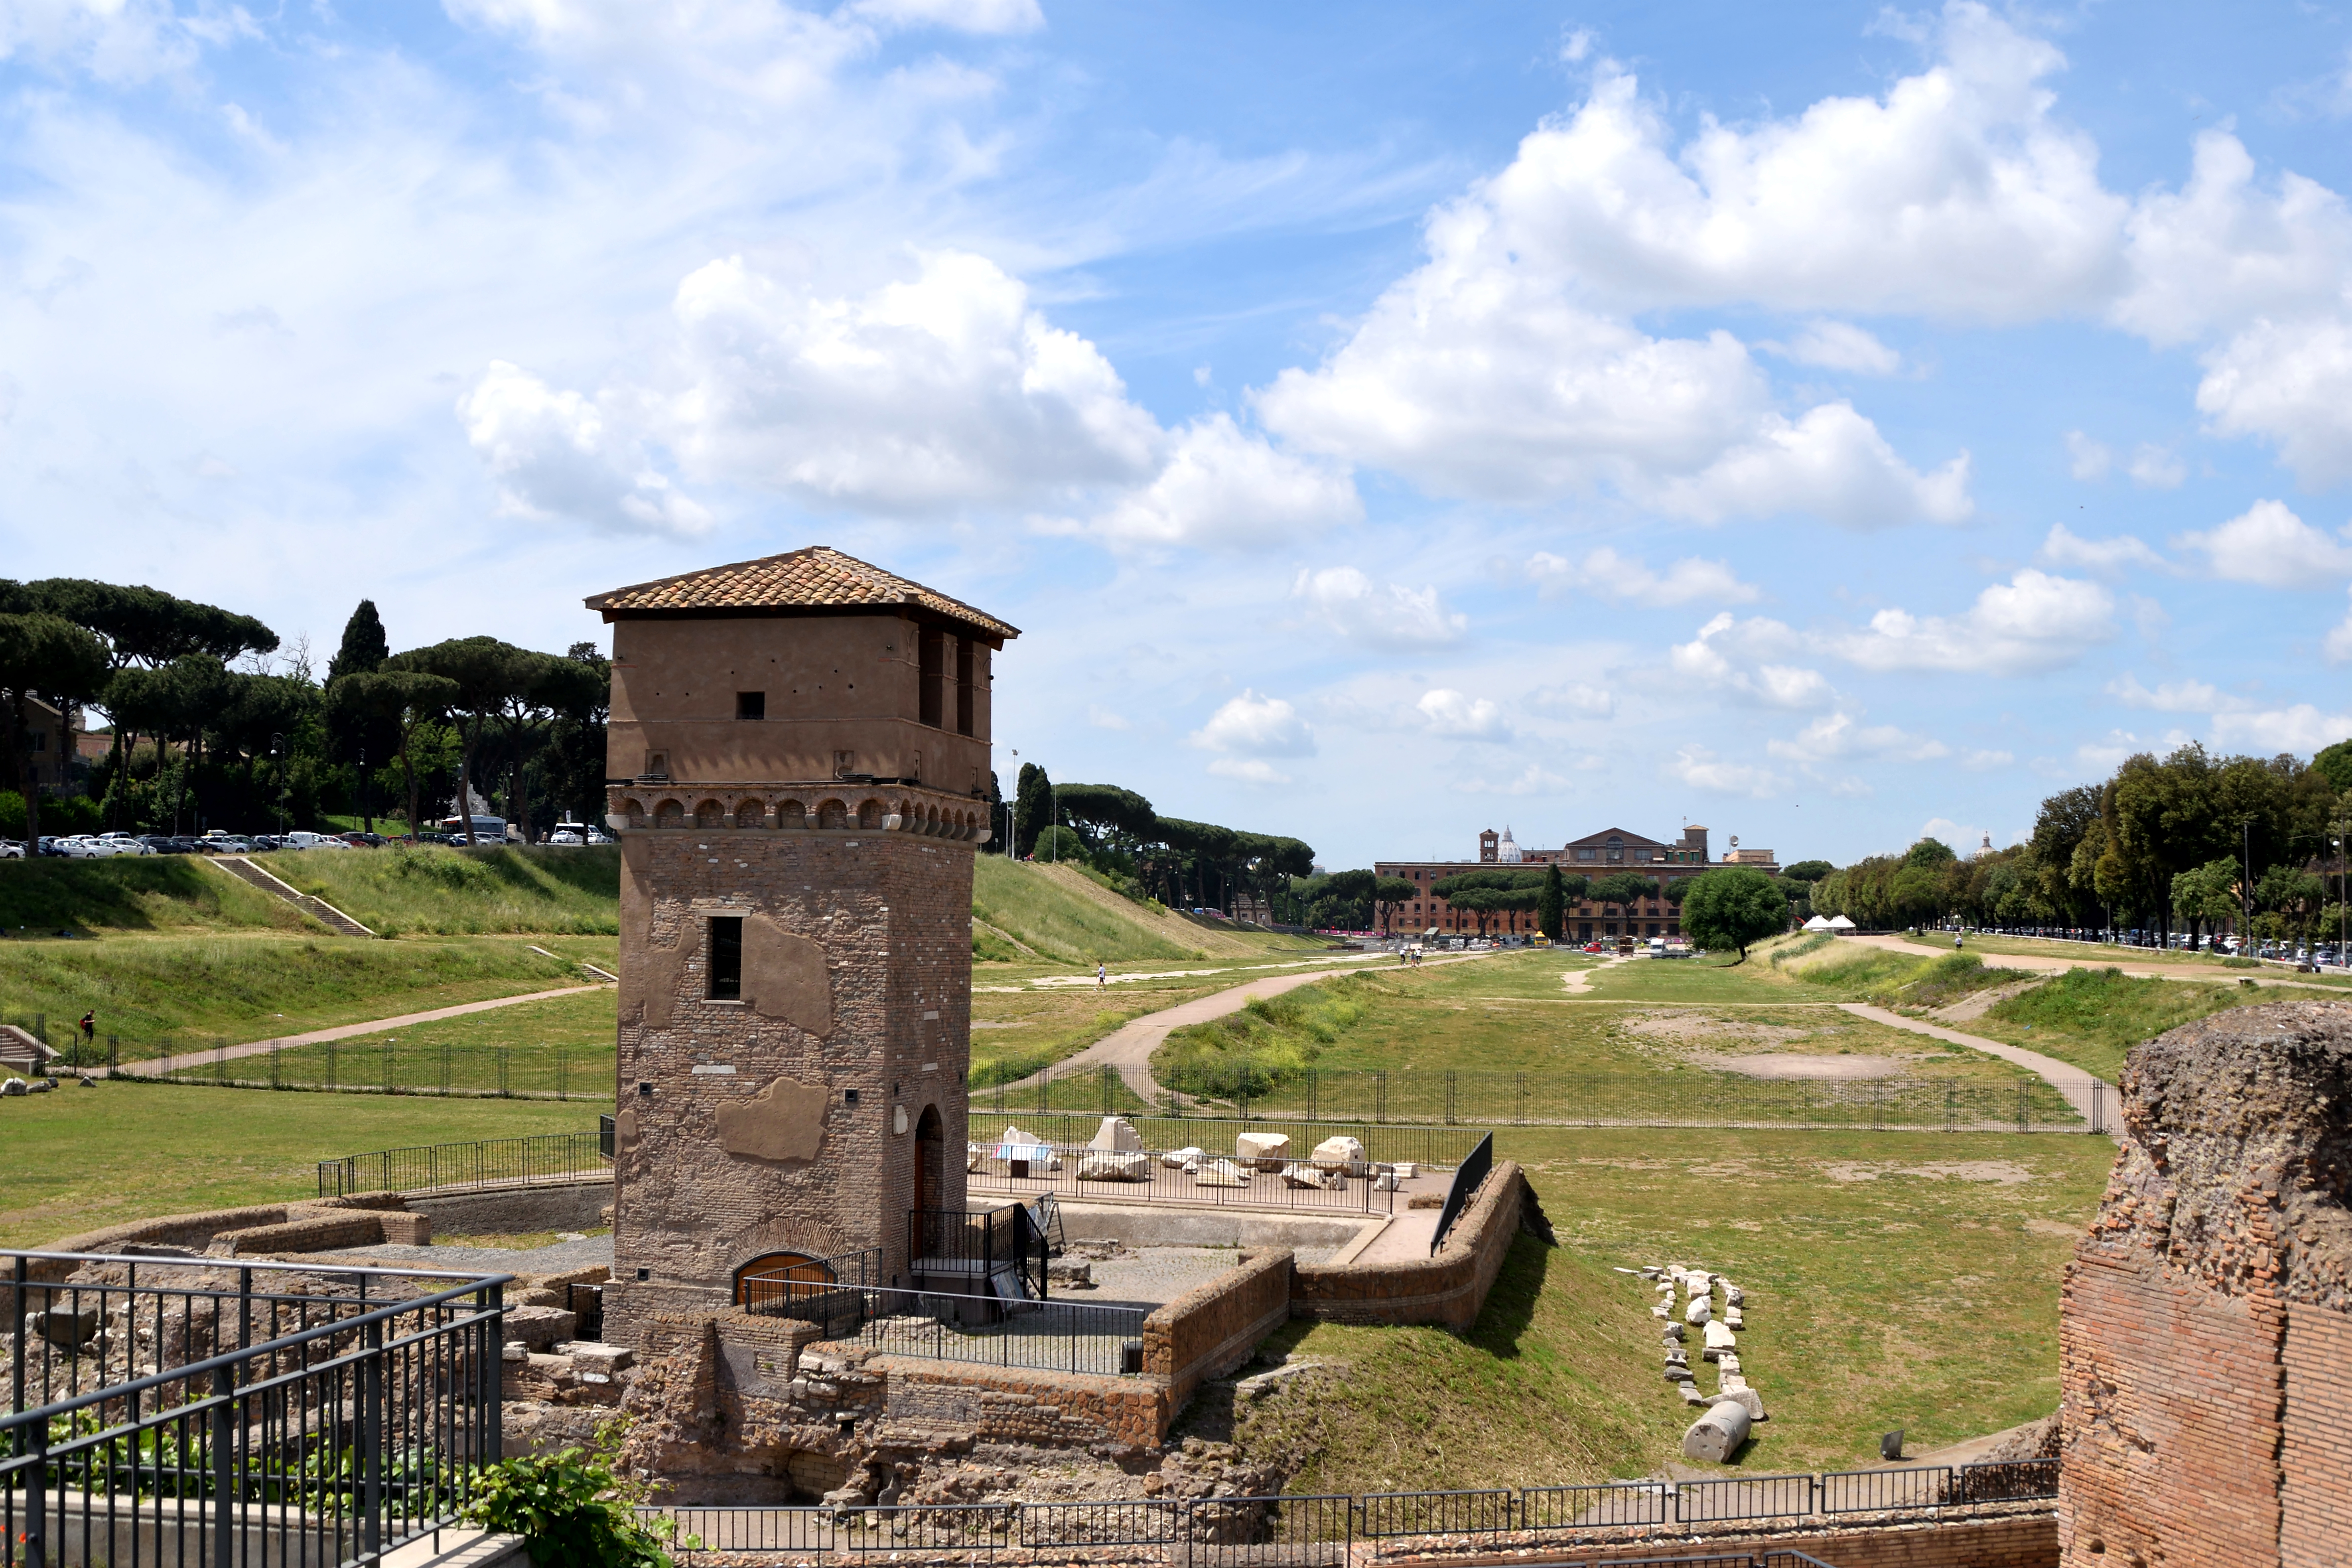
pixel 999 1251
pixel 1320 1532
pixel 187 1410
pixel 1075 1170
pixel 542 1159
pixel 1468 1177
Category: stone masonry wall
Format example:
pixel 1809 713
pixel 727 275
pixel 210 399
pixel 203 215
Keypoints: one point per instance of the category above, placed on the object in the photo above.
pixel 2207 1315
pixel 890 914
pixel 2022 1539
pixel 1449 1287
pixel 1214 1326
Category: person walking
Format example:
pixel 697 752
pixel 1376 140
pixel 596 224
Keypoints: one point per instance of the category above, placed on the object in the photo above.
pixel 89 1027
pixel 1102 976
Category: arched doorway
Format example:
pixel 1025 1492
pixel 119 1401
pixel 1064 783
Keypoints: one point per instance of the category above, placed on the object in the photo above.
pixel 779 1274
pixel 930 1161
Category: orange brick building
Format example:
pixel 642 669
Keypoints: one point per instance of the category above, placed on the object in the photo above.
pixel 1592 857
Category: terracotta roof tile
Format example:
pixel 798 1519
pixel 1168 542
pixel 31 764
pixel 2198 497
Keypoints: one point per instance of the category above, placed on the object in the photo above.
pixel 813 578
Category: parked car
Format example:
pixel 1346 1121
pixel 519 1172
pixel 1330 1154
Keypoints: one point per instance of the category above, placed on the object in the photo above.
pixel 302 838
pixel 364 840
pixel 78 847
pixel 113 844
pixel 11 850
pixel 565 836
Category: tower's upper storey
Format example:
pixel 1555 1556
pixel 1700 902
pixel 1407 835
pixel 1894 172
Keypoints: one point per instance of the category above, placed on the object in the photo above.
pixel 805 667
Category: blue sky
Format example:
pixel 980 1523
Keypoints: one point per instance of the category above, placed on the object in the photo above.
pixel 1826 422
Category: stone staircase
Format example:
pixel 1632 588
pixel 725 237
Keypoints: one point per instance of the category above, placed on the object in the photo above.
pixel 20 1052
pixel 318 909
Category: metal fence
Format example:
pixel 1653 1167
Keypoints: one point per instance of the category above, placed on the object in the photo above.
pixel 1385 1145
pixel 546 1157
pixel 1696 1096
pixel 164 1414
pixel 1075 1171
pixel 1320 1532
pixel 1468 1177
pixel 1043 1336
pixel 387 1067
pixel 978 1246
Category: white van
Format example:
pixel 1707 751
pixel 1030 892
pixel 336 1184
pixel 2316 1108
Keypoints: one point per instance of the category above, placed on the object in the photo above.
pixel 308 840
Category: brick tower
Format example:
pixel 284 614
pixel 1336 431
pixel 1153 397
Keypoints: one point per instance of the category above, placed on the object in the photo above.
pixel 797 771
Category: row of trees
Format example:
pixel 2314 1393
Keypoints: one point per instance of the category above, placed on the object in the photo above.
pixel 1182 863
pixel 207 727
pixel 2187 842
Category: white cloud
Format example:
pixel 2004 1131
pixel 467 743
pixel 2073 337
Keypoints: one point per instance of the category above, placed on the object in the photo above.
pixel 1702 769
pixel 2338 644
pixel 1605 573
pixel 1536 780
pixel 1841 734
pixel 1841 345
pixel 2289 383
pixel 956 16
pixel 1104 718
pixel 2157 468
pixel 1450 712
pixel 2086 458
pixel 1249 770
pixel 119 42
pixel 1965 841
pixel 943 390
pixel 1222 485
pixel 2175 696
pixel 1956 193
pixel 2031 622
pixel 1832 463
pixel 2268 545
pixel 1251 725
pixel 1571 700
pixel 1709 657
pixel 2106 557
pixel 553 456
pixel 2301 729
pixel 2104 757
pixel 1352 604
pixel 1986 761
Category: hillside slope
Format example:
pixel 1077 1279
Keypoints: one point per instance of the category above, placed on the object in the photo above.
pixel 1061 914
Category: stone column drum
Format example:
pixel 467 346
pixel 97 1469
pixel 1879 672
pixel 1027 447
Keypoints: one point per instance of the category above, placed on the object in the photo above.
pixel 798 762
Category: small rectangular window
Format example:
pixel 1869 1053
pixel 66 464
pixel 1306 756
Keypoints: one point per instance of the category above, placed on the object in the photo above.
pixel 965 676
pixel 751 705
pixel 726 958
pixel 933 676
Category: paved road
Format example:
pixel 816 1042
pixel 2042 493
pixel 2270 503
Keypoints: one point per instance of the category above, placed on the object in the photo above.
pixel 2092 1098
pixel 343 1032
pixel 1128 1047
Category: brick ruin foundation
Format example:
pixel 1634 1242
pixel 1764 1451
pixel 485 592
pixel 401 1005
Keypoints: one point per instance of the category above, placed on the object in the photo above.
pixel 2207 1319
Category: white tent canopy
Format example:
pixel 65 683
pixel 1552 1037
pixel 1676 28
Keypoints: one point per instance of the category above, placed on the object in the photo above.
pixel 1838 922
pixel 1817 923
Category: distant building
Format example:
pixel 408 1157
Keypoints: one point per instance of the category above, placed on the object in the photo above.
pixel 1594 855
pixel 50 765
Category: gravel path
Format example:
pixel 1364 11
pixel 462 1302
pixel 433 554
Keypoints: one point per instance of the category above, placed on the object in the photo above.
pixel 163 1065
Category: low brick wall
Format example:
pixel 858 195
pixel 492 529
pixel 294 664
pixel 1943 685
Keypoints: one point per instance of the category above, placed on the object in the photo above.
pixel 1214 1327
pixel 1449 1289
pixel 303 1231
pixel 1018 1405
pixel 2017 1536
pixel 568 1205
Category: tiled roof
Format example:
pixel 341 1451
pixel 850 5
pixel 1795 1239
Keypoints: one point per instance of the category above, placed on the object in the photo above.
pixel 814 578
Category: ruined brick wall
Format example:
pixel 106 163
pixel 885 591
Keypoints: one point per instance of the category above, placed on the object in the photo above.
pixel 736 1136
pixel 2206 1315
pixel 1021 1405
pixel 1214 1326
pixel 2006 1539
pixel 1449 1287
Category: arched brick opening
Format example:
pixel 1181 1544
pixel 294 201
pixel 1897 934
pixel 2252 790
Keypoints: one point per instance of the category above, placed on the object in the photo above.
pixel 796 1268
pixel 751 814
pixel 710 813
pixel 833 814
pixel 791 814
pixel 670 814
pixel 931 1160
pixel 870 814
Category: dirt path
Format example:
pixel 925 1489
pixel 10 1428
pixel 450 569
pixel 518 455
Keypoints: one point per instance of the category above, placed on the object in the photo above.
pixel 2092 1098
pixel 2100 958
pixel 163 1065
pixel 1977 1003
pixel 1128 1047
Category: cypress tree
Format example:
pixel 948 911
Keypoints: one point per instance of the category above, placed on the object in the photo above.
pixel 364 649
pixel 1553 905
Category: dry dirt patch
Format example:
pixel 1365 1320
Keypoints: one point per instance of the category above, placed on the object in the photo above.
pixel 1707 1029
pixel 1796 1065
pixel 2008 1172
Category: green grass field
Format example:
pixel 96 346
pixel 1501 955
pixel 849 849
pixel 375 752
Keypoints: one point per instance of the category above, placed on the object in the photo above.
pixel 1892 1280
pixel 399 890
pixel 2092 1018
pixel 200 991
pixel 563 1045
pixel 78 1158
pixel 159 893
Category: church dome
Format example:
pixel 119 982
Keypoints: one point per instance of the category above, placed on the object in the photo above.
pixel 1508 852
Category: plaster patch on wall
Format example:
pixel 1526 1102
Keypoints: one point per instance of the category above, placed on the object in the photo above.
pixel 784 1121
pixel 785 976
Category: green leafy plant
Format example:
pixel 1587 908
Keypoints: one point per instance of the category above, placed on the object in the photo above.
pixel 572 1509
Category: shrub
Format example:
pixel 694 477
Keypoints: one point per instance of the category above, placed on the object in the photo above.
pixel 570 1508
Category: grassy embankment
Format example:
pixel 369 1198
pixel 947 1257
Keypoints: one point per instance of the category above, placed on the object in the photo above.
pixel 79 1159
pixel 1642 1040
pixel 1892 1280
